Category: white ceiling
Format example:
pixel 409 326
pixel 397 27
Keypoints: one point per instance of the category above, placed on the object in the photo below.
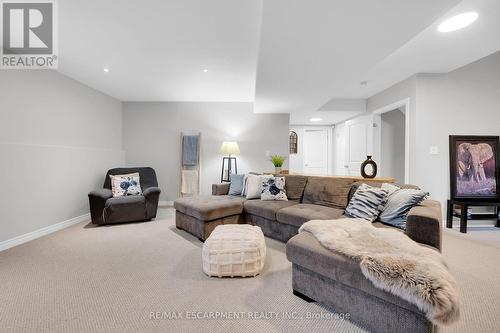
pixel 433 52
pixel 309 49
pixel 306 58
pixel 157 49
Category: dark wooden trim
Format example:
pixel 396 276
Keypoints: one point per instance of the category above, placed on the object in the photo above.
pixel 464 206
pixel 463 218
pixel 304 297
pixel 449 214
pixel 497 211
pixel 229 159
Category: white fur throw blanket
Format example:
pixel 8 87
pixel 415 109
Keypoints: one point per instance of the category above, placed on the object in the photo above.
pixel 395 263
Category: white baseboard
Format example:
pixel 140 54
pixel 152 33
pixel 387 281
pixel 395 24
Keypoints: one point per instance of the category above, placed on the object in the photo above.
pixel 162 203
pixel 42 232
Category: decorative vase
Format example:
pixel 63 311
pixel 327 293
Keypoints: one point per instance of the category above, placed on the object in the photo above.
pixel 277 170
pixel 372 164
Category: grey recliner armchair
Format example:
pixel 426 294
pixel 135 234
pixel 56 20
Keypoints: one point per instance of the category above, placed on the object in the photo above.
pixel 105 209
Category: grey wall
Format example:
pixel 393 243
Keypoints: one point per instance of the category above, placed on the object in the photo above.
pixel 406 89
pixel 465 101
pixel 57 139
pixel 151 137
pixel 392 145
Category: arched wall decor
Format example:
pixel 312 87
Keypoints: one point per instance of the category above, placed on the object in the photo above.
pixel 293 145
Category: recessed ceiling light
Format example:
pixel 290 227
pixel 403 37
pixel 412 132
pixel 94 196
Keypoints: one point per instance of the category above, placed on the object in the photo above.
pixel 315 119
pixel 205 70
pixel 458 22
pixel 106 70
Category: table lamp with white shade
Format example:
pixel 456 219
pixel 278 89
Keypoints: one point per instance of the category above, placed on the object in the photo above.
pixel 229 149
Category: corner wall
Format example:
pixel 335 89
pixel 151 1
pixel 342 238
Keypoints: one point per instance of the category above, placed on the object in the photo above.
pixel 406 89
pixel 58 138
pixel 465 101
pixel 392 145
pixel 151 137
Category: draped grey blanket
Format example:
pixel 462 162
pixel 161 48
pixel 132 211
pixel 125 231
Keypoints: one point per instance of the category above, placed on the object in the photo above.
pixel 190 150
pixel 395 263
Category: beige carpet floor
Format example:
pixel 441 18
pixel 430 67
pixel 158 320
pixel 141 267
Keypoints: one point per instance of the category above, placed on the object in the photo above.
pixel 110 279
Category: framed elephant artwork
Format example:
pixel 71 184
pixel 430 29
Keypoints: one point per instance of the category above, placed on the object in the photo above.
pixel 474 168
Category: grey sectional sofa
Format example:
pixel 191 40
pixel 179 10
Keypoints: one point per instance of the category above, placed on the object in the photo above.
pixel 337 282
pixel 319 274
pixel 310 198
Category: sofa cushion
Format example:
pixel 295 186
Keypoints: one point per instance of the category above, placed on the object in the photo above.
pixel 294 186
pixel 210 207
pixel 125 209
pixel 127 200
pixel 296 215
pixel 266 209
pixel 327 191
pixel 304 246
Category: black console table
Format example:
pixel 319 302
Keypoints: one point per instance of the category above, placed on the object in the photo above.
pixel 464 206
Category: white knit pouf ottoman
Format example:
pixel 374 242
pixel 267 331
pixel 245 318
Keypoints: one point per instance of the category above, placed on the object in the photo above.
pixel 234 250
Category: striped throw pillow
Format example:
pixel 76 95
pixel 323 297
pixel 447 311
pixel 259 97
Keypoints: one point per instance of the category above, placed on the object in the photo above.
pixel 398 205
pixel 367 202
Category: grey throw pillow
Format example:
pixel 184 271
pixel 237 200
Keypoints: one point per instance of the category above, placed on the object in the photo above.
pixel 236 185
pixel 367 202
pixel 245 177
pixel 399 204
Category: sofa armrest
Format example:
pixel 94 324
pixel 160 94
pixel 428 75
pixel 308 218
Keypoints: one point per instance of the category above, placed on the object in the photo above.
pixel 220 189
pixel 152 195
pixel 97 201
pixel 424 223
pixel 103 193
pixel 151 191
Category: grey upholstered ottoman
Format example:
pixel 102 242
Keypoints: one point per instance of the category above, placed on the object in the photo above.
pixel 201 214
pixel 336 281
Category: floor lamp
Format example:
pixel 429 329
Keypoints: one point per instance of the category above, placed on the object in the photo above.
pixel 228 148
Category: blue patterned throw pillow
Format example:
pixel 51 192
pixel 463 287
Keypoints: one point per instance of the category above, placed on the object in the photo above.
pixel 366 203
pixel 123 185
pixel 273 188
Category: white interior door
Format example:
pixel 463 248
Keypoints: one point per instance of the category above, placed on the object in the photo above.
pixel 316 151
pixel 339 150
pixel 359 143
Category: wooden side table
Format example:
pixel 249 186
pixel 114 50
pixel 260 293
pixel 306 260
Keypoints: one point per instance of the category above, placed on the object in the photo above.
pixel 464 206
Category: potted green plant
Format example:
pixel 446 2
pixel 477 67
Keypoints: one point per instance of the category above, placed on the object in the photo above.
pixel 278 161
